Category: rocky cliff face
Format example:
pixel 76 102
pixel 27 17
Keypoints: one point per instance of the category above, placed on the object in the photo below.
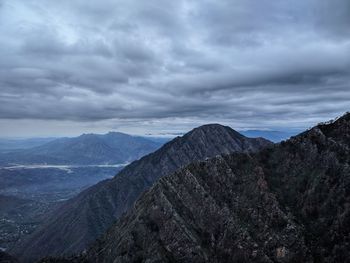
pixel 215 211
pixel 84 218
pixel 289 203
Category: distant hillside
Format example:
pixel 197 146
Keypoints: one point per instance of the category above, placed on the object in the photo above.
pixel 110 148
pixel 8 145
pixel 274 136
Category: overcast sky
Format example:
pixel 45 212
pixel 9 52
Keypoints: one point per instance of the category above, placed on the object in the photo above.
pixel 74 66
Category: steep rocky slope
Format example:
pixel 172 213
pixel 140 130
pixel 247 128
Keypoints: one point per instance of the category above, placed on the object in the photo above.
pixel 84 218
pixel 289 203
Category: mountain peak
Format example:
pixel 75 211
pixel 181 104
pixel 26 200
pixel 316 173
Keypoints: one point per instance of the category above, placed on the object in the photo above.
pixel 214 128
pixel 220 127
pixel 93 211
pixel 117 133
pixel 288 203
pixel 87 135
pixel 87 148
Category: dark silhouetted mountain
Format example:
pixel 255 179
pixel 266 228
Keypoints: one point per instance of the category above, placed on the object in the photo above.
pixel 6 258
pixel 110 148
pixel 84 218
pixel 287 203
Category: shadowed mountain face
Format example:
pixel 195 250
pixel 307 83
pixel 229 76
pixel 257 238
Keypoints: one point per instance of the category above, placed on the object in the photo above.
pixel 6 258
pixel 110 148
pixel 19 217
pixel 287 203
pixel 84 218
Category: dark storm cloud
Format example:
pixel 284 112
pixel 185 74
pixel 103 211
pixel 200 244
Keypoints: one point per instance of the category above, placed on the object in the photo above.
pixel 247 63
pixel 334 17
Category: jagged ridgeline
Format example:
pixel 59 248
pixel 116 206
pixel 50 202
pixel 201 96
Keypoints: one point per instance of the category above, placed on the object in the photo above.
pixel 86 217
pixel 287 203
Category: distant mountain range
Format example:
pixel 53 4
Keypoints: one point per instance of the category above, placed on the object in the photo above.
pixel 274 136
pixel 286 203
pixel 110 148
pixel 271 135
pixel 8 145
pixel 84 218
pixel 19 144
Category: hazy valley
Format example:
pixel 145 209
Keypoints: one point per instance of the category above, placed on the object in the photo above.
pixel 36 179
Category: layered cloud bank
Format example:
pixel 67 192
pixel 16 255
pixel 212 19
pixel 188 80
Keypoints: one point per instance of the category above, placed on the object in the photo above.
pixel 167 66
